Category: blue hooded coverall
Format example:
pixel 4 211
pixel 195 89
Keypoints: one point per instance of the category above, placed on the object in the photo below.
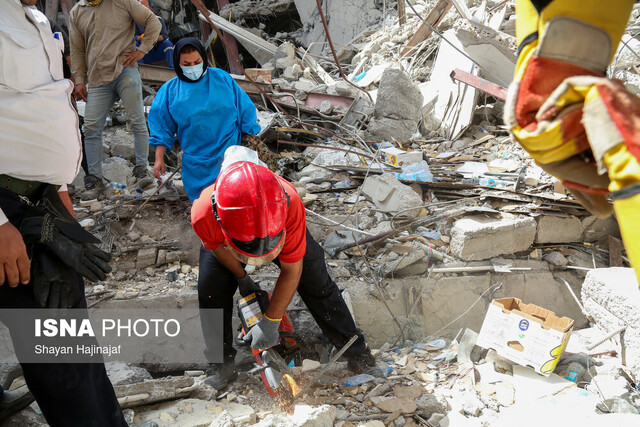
pixel 208 116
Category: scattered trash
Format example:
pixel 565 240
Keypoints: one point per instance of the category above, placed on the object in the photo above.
pixel 359 379
pixel 415 172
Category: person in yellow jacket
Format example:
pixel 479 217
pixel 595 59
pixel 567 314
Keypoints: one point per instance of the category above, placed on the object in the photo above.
pixel 578 125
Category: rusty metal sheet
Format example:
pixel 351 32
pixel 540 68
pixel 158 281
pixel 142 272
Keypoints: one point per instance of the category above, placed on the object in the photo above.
pixel 479 83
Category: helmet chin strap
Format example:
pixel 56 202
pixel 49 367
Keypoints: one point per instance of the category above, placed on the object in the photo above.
pixel 256 261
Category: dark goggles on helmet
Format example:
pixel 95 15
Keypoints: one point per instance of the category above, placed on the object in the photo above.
pixel 260 245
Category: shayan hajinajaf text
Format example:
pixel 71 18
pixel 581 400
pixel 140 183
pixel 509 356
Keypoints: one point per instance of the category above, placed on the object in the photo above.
pixel 80 349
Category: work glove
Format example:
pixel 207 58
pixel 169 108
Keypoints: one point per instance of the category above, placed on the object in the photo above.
pixel 265 334
pixel 69 242
pixel 54 284
pixel 247 286
pixel 559 107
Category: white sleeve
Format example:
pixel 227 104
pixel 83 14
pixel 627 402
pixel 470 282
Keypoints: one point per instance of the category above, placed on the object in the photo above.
pixel 3 217
pixel 62 188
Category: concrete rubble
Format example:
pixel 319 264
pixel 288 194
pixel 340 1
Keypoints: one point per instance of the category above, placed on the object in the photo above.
pixel 478 237
pixel 421 252
pixel 398 107
pixel 390 195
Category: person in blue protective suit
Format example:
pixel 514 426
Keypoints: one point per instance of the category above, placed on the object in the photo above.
pixel 208 112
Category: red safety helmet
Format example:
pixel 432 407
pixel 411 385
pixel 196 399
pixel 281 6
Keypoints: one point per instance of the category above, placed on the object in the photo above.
pixel 251 206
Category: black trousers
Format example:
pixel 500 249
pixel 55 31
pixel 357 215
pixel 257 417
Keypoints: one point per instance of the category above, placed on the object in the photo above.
pixel 217 286
pixel 69 394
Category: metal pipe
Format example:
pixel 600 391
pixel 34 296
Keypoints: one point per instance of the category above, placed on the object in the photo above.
pixel 333 51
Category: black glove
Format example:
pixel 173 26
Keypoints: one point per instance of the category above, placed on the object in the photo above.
pixel 247 286
pixel 69 242
pixel 54 284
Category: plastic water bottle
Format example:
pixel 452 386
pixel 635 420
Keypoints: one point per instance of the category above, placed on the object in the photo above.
pixel 416 172
pixel 385 369
pixel 487 182
pixel 359 379
pixel 117 187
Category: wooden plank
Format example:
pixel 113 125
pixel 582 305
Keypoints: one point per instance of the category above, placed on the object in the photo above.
pixel 402 16
pixel 424 31
pixel 615 252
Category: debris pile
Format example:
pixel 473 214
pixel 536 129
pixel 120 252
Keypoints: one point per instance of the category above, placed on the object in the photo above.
pixel 427 212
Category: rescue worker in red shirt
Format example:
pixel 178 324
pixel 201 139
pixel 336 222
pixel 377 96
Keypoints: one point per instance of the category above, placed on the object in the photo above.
pixel 252 216
pixel 578 125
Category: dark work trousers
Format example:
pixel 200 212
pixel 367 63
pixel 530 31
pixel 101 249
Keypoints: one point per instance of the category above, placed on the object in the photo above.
pixel 85 166
pixel 69 394
pixel 217 286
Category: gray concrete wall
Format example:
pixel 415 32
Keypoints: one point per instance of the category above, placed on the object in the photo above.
pixel 447 297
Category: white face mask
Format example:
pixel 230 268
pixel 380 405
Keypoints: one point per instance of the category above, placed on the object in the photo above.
pixel 193 72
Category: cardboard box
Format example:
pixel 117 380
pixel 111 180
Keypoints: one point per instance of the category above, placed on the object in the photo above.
pixel 525 334
pixel 397 157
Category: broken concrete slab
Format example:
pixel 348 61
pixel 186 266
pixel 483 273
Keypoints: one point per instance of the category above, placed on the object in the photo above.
pixel 450 103
pixel 150 391
pixel 116 169
pixel 197 413
pixel 10 369
pixel 121 373
pixel 611 297
pixel 310 365
pixel 489 53
pixel 30 416
pixel 309 416
pixel 556 258
pixel 555 229
pixel 408 391
pixel 398 107
pixel 390 195
pixel 388 129
pixel 428 404
pixel 146 258
pixel 397 404
pixel 345 21
pixel 600 228
pixel 121 143
pixel 480 237
pixel 410 264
